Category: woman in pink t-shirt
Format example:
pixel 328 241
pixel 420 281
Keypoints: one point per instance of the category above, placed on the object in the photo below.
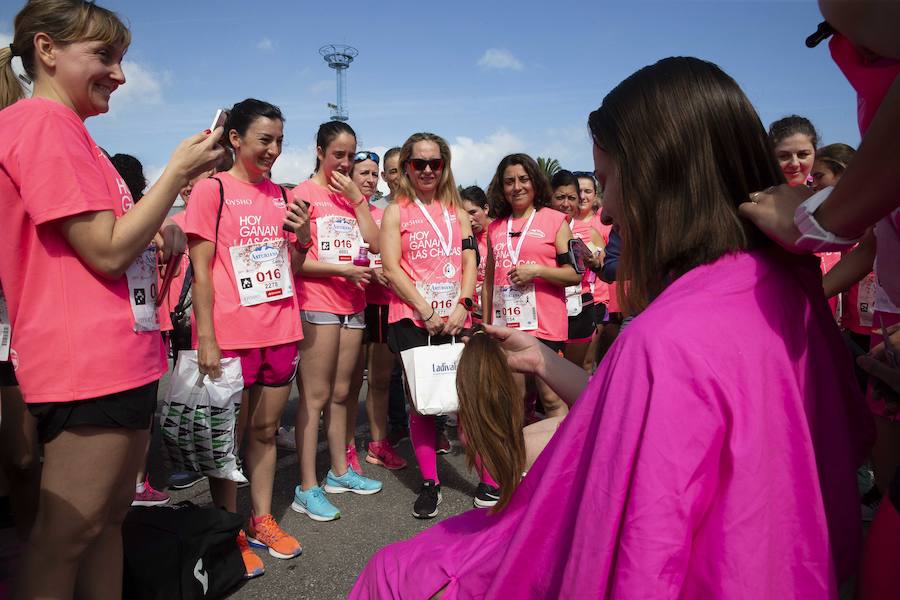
pixel 245 243
pixel 566 198
pixel 423 235
pixel 333 301
pixel 588 208
pixel 375 354
pixel 78 271
pixel 475 203
pixel 525 280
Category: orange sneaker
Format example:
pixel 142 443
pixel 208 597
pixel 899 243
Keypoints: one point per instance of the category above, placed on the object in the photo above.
pixel 253 565
pixel 264 532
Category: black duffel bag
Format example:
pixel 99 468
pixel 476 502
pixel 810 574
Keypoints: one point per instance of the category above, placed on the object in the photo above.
pixel 181 551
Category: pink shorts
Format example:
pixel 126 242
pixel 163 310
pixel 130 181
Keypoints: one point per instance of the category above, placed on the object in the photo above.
pixel 274 366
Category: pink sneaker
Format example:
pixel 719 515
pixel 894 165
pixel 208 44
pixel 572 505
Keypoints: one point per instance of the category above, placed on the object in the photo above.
pixel 353 460
pixel 150 496
pixel 381 453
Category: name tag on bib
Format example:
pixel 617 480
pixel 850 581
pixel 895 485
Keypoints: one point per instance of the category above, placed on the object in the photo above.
pixel 142 278
pixel 5 329
pixel 338 239
pixel 573 300
pixel 515 307
pixel 442 296
pixel 866 300
pixel 262 272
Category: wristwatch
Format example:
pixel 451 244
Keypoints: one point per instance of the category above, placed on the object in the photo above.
pixel 467 303
pixel 814 237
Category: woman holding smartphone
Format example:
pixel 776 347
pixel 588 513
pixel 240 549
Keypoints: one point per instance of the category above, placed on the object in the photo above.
pixel 566 198
pixel 333 301
pixel 428 257
pixel 527 263
pixel 77 264
pixel 245 243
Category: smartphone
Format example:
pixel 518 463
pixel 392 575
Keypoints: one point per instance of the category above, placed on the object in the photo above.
pixel 219 119
pixel 285 227
pixel 578 252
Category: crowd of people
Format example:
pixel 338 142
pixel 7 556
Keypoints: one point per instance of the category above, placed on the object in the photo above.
pixel 658 390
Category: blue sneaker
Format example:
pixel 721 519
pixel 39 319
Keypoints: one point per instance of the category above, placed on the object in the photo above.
pixel 351 481
pixel 314 504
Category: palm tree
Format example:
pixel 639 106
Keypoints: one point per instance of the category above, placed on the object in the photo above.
pixel 548 165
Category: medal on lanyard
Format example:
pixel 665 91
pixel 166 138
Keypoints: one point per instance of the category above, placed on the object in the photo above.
pixel 514 254
pixel 446 244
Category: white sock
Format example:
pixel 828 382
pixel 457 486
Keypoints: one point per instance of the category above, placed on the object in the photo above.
pixel 139 488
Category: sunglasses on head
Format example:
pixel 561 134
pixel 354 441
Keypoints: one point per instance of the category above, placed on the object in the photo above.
pixel 419 164
pixel 366 155
pixel 583 174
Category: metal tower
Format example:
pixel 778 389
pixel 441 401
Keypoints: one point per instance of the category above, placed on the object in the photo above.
pixel 339 57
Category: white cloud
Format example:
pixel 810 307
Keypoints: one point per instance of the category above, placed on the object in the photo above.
pixel 499 58
pixel 265 44
pixel 142 85
pixel 320 87
pixel 474 161
pixel 295 164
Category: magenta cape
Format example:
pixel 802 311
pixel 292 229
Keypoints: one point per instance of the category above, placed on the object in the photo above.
pixel 686 469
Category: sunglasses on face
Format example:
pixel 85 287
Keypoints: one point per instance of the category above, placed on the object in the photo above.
pixel 419 164
pixel 366 155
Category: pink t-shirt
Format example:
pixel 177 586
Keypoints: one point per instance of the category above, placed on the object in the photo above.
pixel 375 292
pixel 538 248
pixel 425 262
pixel 582 230
pixel 73 332
pixel 336 239
pixel 252 217
pixel 169 303
pixel 481 239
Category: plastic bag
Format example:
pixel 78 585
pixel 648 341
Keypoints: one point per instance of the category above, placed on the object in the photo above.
pixel 431 377
pixel 199 417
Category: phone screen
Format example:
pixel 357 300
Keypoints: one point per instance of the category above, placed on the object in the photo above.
pixel 580 252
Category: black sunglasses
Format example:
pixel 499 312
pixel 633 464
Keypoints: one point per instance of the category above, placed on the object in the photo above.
pixel 583 174
pixel 366 155
pixel 419 164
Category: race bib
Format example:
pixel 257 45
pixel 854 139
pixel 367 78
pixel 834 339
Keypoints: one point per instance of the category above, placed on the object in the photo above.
pixel 262 272
pixel 142 278
pixel 865 300
pixel 442 296
pixel 515 307
pixel 339 239
pixel 573 300
pixel 5 329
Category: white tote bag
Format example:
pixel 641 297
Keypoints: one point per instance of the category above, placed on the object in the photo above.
pixel 199 417
pixel 431 377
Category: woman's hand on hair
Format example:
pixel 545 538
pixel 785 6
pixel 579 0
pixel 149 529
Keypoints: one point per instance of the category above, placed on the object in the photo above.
pixel 524 274
pixel 524 353
pixel 209 358
pixel 772 210
pixel 343 185
pixel 297 220
pixel 456 321
pixel 196 155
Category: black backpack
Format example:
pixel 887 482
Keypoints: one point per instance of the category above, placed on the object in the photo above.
pixel 181 551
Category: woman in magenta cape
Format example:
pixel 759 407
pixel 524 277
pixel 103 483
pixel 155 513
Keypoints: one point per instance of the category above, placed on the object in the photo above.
pixel 713 453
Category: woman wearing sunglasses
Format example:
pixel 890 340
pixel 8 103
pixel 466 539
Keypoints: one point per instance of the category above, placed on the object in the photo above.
pixel 376 355
pixel 526 273
pixel 433 279
pixel 332 297
pixel 566 198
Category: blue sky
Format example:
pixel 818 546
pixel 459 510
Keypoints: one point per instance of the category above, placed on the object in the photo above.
pixel 491 77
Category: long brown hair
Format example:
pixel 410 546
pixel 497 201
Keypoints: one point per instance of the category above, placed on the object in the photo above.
pixel 491 414
pixel 65 21
pixel 689 148
pixel 446 189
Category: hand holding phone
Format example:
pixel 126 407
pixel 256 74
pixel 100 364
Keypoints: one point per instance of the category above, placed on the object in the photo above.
pixel 219 119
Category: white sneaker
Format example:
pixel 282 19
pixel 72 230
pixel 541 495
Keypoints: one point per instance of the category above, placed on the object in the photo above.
pixel 286 439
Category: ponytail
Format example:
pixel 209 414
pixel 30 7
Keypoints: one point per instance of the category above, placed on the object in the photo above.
pixel 10 89
pixel 491 413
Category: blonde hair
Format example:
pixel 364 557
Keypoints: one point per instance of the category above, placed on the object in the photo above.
pixel 446 189
pixel 65 21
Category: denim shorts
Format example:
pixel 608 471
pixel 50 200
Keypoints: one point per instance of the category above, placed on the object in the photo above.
pixel 354 321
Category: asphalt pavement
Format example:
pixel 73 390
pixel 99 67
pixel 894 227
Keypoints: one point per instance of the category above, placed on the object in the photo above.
pixel 334 553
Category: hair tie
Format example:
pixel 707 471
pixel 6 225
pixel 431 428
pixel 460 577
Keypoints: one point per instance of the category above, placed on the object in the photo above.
pixel 12 50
